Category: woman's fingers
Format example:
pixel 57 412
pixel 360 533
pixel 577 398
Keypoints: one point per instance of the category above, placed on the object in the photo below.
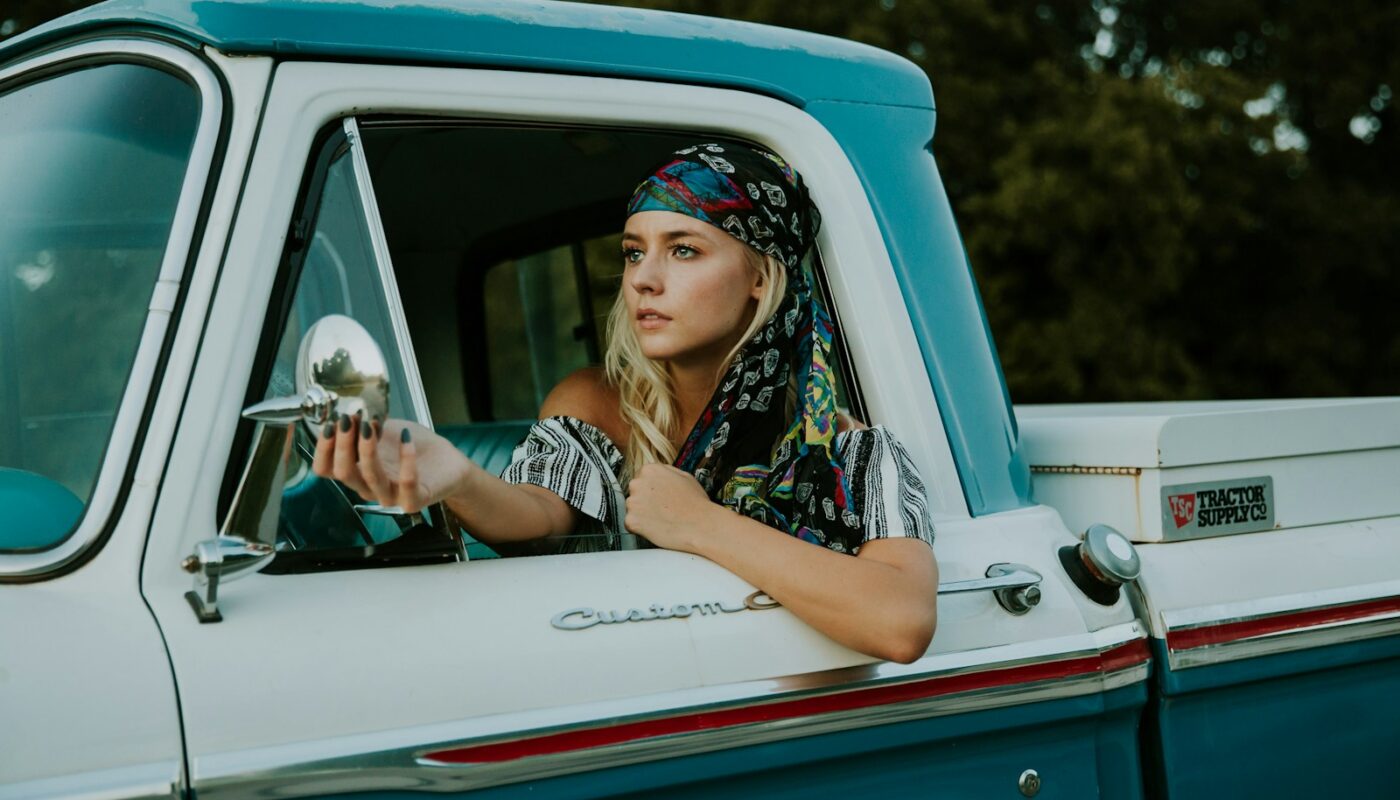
pixel 345 466
pixel 409 494
pixel 371 470
pixel 321 462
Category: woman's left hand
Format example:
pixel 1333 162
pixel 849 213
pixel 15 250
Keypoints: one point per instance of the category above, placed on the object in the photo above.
pixel 668 507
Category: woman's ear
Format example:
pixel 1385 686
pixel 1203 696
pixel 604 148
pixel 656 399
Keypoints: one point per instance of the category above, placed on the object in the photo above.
pixel 756 291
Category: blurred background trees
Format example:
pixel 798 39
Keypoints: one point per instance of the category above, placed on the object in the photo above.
pixel 1161 200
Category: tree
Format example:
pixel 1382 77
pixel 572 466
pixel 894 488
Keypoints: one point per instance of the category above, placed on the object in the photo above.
pixel 1160 200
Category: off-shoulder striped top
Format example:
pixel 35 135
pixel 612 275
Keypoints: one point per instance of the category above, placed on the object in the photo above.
pixel 578 462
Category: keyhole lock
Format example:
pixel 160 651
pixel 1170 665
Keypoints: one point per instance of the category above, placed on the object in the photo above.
pixel 1029 783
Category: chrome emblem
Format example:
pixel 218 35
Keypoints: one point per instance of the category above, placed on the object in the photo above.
pixel 577 619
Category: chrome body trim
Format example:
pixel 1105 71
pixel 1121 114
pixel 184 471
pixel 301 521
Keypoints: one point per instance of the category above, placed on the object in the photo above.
pixel 153 781
pixel 128 418
pixel 413 759
pixel 1219 634
pixel 388 284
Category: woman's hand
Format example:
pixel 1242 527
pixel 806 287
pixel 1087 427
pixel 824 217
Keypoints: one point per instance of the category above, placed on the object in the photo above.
pixel 668 507
pixel 395 463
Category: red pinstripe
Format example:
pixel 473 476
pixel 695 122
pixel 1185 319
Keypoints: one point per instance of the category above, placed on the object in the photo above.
pixel 1278 623
pixel 1125 655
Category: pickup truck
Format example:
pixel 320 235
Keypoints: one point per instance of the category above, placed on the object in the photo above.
pixel 220 218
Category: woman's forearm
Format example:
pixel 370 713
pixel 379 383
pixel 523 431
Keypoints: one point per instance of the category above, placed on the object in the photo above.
pixel 881 602
pixel 497 511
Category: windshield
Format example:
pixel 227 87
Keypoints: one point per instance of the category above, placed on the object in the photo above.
pixel 91 165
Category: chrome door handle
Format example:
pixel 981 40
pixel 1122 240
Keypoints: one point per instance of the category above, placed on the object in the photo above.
pixel 1015 586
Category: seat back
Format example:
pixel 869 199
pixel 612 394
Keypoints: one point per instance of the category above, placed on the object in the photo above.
pixel 488 444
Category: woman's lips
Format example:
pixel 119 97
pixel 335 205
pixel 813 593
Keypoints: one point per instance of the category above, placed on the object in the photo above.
pixel 649 320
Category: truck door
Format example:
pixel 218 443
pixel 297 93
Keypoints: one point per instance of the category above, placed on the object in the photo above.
pixel 437 674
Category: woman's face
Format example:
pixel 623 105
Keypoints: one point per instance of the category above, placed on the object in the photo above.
pixel 688 285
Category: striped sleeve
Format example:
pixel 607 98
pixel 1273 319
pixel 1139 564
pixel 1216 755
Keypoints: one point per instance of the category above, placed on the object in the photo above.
pixel 886 486
pixel 574 460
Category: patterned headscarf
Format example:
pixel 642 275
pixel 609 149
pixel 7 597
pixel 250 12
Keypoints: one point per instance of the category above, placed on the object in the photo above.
pixel 744 450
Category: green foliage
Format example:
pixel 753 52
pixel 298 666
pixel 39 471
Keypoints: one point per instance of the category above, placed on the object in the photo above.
pixel 1160 199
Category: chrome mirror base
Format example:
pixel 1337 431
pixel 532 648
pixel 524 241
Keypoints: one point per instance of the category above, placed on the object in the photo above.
pixel 224 557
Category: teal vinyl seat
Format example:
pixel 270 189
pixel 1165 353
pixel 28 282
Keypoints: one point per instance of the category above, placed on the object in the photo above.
pixel 489 444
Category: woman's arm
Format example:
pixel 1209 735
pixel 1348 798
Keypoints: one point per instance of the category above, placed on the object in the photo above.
pixel 422 468
pixel 881 602
pixel 403 464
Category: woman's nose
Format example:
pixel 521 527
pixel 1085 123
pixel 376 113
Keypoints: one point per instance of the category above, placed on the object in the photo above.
pixel 646 276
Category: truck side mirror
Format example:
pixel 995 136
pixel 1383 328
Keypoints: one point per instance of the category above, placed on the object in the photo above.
pixel 340 370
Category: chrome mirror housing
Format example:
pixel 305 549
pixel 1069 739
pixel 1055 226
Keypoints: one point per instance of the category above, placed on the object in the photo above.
pixel 340 370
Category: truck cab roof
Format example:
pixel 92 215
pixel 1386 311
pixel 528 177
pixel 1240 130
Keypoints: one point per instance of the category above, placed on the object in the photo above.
pixel 795 66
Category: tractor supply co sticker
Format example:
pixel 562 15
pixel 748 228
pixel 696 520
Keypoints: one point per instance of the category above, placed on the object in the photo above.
pixel 1217 508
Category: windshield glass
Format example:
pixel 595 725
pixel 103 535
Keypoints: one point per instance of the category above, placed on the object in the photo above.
pixel 91 165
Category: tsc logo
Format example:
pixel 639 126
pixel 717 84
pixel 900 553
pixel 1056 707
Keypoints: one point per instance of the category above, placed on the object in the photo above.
pixel 1183 508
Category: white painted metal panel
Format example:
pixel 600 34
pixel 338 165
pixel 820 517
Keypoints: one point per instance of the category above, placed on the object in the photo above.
pixel 1237 577
pixel 1150 435
pixel 1329 460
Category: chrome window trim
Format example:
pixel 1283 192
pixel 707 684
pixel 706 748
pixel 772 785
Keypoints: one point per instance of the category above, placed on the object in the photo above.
pixel 397 759
pixel 388 283
pixel 1302 637
pixel 128 420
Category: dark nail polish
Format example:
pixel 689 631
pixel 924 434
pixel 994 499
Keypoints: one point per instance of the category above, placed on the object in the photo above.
pixel 328 430
pixel 344 424
pixel 405 437
pixel 364 430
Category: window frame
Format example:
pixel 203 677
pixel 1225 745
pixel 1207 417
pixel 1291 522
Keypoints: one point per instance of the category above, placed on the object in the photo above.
pixel 306 96
pixel 104 504
pixel 339 138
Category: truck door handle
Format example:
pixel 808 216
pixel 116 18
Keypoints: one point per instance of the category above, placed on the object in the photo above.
pixel 1015 586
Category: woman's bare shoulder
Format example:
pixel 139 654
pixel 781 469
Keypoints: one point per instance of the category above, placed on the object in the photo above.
pixel 586 394
pixel 846 422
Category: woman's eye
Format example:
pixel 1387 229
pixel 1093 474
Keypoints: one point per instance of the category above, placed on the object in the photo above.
pixel 629 255
pixel 684 251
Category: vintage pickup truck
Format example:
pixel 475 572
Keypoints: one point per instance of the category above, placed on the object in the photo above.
pixel 1179 600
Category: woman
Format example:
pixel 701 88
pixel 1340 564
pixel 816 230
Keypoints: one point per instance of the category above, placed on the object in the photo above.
pixel 715 399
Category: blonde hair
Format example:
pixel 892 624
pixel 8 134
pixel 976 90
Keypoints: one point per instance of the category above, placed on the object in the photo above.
pixel 646 395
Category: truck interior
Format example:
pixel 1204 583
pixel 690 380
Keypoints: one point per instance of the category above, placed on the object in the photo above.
pixel 503 239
